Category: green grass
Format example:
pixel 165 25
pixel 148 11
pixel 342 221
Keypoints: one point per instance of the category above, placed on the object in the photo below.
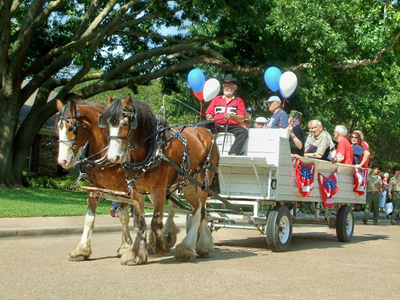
pixel 30 202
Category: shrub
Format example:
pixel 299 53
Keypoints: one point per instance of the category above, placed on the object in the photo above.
pixel 35 180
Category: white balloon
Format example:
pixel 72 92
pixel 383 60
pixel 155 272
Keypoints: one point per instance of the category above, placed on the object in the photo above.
pixel 211 89
pixel 287 84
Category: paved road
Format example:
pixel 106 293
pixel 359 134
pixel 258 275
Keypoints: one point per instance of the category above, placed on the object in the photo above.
pixel 316 266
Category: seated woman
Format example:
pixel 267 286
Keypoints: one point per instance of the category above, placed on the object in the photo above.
pixel 360 155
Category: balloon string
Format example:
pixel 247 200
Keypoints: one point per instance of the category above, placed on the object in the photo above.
pixel 201 110
pixel 284 101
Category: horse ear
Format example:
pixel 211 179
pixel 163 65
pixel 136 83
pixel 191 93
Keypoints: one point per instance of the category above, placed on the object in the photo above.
pixel 110 99
pixel 129 100
pixel 60 105
pixel 72 107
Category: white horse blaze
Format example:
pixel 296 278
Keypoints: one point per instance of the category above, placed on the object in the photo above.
pixel 65 158
pixel 115 151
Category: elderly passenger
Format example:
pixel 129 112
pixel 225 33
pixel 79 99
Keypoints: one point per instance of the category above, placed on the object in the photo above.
pixel 344 152
pixel 310 136
pixel 279 118
pixel 228 110
pixel 319 145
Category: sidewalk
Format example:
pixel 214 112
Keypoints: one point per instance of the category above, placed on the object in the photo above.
pixel 39 226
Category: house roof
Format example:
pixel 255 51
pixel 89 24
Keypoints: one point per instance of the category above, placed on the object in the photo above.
pixel 48 126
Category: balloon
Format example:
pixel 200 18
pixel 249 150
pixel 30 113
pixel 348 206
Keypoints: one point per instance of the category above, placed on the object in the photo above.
pixel 287 84
pixel 196 80
pixel 198 95
pixel 211 89
pixel 271 78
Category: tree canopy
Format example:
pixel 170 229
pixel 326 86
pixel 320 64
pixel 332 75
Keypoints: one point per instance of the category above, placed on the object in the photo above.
pixel 345 55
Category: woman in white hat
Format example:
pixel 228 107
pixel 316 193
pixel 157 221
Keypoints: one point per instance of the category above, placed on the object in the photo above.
pixel 261 122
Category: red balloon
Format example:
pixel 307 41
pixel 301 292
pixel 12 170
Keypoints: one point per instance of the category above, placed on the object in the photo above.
pixel 199 95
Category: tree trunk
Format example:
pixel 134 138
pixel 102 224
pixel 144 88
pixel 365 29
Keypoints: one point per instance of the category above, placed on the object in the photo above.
pixel 9 113
pixel 27 133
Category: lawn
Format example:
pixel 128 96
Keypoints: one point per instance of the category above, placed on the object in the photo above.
pixel 35 202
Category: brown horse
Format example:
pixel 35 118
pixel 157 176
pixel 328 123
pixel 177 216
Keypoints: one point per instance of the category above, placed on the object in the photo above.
pixel 77 125
pixel 160 160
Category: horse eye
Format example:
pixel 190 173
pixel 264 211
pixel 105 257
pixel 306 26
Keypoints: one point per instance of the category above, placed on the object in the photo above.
pixel 114 123
pixel 70 129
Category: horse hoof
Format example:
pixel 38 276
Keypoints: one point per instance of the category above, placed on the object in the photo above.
pixel 77 258
pixel 204 255
pixel 128 263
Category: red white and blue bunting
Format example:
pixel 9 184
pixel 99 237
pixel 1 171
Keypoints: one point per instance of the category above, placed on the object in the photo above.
pixel 329 187
pixel 304 177
pixel 360 180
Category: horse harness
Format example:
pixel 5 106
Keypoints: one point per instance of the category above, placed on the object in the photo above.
pixel 83 161
pixel 156 155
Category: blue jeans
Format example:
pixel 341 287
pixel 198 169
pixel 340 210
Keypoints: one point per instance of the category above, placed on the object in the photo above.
pixel 115 206
pixel 382 199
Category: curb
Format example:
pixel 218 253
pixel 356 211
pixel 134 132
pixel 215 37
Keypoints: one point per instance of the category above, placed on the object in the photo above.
pixel 32 232
pixel 48 231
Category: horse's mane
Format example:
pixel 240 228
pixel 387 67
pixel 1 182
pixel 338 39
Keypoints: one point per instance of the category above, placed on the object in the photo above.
pixel 146 120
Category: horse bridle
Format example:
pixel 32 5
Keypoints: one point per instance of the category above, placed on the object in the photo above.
pixel 131 113
pixel 75 126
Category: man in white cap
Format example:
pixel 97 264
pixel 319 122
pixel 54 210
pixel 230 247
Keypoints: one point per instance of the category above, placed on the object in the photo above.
pixel 261 122
pixel 279 118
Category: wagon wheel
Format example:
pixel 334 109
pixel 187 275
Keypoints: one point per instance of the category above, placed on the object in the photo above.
pixel 279 229
pixel 345 224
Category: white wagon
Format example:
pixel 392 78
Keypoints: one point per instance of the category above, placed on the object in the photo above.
pixel 262 183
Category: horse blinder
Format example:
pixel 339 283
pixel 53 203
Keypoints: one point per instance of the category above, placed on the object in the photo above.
pixel 133 117
pixel 102 123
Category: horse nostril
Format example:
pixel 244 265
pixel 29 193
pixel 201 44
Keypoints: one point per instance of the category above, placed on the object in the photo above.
pixel 117 158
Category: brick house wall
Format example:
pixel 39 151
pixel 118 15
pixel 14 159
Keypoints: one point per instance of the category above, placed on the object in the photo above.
pixel 48 152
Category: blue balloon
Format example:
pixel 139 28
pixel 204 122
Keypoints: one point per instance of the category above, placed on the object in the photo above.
pixel 196 80
pixel 271 78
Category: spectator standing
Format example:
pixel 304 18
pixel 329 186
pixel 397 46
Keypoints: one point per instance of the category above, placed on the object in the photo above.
pixel 394 194
pixel 279 118
pixel 360 154
pixel 344 152
pixel 296 138
pixel 114 209
pixel 383 193
pixel 374 184
pixel 228 110
pixel 319 145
